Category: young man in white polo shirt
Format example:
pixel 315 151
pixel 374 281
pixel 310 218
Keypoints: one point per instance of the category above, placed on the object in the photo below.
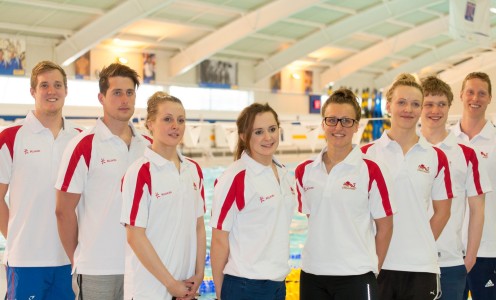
pixel 421 178
pixel 480 133
pixel 470 183
pixel 90 180
pixel 30 151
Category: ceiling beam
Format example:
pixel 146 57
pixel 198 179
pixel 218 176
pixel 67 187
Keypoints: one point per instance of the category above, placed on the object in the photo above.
pixel 356 23
pixel 480 63
pixel 337 8
pixel 383 49
pixel 56 32
pixel 59 6
pixel 104 27
pixel 234 31
pixel 434 56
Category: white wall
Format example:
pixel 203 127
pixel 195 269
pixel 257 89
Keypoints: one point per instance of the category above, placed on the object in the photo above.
pixel 288 101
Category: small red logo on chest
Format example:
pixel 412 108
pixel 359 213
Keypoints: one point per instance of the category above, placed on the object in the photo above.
pixel 160 195
pixel 349 186
pixel 423 168
pixel 484 155
pixel 263 199
pixel 27 151
pixel 105 161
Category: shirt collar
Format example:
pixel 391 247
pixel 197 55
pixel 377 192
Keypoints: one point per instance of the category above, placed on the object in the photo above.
pixel 257 167
pixel 106 134
pixel 486 133
pixel 386 141
pixel 32 122
pixel 159 160
pixel 352 159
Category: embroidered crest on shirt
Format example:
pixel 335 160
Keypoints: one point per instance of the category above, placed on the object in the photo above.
pixel 263 199
pixel 194 186
pixel 423 168
pixel 105 161
pixel 484 155
pixel 292 190
pixel 349 186
pixel 27 151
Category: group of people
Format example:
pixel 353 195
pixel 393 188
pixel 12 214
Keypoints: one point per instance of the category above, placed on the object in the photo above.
pixel 403 217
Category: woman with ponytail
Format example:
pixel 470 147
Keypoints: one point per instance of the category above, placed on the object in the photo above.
pixel 251 213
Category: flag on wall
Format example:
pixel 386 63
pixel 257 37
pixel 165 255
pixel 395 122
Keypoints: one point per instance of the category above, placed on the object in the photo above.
pixel 470 20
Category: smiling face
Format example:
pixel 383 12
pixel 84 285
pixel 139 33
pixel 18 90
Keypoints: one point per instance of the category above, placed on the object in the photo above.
pixel 168 126
pixel 264 138
pixel 435 111
pixel 339 136
pixel 475 97
pixel 405 107
pixel 49 93
pixel 118 101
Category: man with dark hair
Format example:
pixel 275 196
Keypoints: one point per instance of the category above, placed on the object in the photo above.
pixel 89 181
pixel 30 151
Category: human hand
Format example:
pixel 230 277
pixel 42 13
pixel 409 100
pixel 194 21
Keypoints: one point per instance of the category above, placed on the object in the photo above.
pixel 180 289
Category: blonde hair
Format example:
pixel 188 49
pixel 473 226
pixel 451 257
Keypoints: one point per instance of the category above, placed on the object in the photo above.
pixel 152 105
pixel 403 79
pixel 479 75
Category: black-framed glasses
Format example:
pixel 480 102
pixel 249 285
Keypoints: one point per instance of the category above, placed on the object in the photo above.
pixel 345 122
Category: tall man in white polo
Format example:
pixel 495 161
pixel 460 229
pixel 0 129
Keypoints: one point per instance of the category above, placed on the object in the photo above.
pixel 30 151
pixel 470 183
pixel 89 181
pixel 476 130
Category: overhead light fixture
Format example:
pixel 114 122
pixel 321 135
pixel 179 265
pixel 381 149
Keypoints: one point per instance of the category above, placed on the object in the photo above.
pixel 122 60
pixel 295 75
pixel 493 10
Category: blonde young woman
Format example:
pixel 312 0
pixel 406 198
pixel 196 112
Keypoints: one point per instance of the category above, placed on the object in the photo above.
pixel 251 213
pixel 420 176
pixel 163 207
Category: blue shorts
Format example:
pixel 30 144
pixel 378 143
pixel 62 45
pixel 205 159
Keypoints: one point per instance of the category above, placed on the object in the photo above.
pixel 453 282
pixel 239 288
pixel 481 280
pixel 39 283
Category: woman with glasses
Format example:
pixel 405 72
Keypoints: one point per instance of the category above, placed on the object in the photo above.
pixel 251 213
pixel 344 194
pixel 421 178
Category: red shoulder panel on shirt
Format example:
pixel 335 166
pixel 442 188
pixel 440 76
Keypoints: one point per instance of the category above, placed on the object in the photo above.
pixel 7 137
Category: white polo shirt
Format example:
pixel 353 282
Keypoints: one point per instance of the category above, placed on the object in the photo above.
pixel 469 178
pixel 167 203
pixel 93 165
pixel 342 205
pixel 419 176
pixel 29 161
pixel 485 144
pixel 256 210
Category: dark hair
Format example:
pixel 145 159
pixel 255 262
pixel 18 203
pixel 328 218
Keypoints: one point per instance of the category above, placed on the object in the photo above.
pixel 115 70
pixel 343 96
pixel 245 125
pixel 479 75
pixel 404 79
pixel 153 102
pixel 45 66
pixel 436 87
